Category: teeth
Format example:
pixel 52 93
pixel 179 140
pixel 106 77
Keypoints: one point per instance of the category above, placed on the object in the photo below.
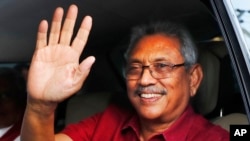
pixel 150 95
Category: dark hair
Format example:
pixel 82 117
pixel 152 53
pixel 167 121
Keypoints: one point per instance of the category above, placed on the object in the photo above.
pixel 13 85
pixel 170 29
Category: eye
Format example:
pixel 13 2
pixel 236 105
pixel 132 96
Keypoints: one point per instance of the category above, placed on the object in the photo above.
pixel 132 69
pixel 160 65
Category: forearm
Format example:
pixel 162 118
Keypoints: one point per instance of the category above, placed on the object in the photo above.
pixel 38 122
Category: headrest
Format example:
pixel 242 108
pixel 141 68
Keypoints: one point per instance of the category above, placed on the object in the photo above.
pixel 207 95
pixel 210 54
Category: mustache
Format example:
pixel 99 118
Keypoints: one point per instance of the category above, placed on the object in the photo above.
pixel 150 89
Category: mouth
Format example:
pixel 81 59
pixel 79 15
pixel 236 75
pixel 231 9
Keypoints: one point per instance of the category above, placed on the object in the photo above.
pixel 151 95
pixel 150 98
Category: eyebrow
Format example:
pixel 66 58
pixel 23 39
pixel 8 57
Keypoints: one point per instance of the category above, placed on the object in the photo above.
pixel 160 59
pixel 134 61
pixel 155 60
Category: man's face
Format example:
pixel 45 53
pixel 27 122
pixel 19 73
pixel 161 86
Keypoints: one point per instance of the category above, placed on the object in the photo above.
pixel 164 98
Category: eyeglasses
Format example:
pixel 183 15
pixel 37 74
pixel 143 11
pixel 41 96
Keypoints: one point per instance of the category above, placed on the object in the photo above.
pixel 158 70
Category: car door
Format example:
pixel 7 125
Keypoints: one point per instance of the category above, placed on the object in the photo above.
pixel 229 15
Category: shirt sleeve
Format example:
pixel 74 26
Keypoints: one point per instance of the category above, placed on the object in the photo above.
pixel 83 130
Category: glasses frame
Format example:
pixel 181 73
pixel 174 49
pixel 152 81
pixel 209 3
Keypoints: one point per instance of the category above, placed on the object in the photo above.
pixel 143 67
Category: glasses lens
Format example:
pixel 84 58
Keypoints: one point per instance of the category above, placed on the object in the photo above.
pixel 133 71
pixel 158 70
pixel 161 70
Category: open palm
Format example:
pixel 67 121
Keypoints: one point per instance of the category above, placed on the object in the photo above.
pixel 55 72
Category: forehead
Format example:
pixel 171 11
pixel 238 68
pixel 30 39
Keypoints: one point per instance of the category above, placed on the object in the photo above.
pixel 154 47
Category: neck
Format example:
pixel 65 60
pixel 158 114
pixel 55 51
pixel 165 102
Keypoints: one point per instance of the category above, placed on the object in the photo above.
pixel 150 128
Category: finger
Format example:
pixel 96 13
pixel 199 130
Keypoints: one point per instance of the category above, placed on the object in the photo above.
pixel 84 69
pixel 68 25
pixel 42 34
pixel 82 35
pixel 56 26
pixel 86 64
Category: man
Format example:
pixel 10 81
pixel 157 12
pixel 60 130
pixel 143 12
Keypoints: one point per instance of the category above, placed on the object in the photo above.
pixel 12 104
pixel 161 76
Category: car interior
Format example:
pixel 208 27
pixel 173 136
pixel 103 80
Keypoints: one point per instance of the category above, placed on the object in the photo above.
pixel 218 98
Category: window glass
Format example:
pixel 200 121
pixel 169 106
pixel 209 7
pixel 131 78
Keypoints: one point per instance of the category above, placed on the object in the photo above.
pixel 239 14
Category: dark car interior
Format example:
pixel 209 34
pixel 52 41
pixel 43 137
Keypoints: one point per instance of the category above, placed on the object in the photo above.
pixel 218 96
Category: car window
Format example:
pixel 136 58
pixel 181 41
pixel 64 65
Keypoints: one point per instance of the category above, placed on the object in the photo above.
pixel 225 78
pixel 239 14
pixel 230 21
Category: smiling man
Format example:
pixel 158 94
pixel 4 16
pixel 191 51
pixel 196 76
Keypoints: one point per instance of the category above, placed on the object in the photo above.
pixel 158 81
pixel 161 75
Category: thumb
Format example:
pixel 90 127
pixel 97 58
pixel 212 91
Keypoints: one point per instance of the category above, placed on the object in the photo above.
pixel 84 69
pixel 86 65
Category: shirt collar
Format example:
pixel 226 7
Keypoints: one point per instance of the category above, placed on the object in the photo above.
pixel 176 132
pixel 4 130
pixel 132 124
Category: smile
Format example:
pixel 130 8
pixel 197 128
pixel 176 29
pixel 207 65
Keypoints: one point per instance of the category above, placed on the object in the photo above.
pixel 149 98
pixel 150 95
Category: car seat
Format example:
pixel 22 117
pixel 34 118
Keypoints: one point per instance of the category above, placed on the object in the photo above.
pixel 206 98
pixel 83 105
pixel 212 97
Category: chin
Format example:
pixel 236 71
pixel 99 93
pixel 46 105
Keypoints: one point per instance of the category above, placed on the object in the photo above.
pixel 149 113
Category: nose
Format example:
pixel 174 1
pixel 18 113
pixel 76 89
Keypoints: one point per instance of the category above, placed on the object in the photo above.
pixel 146 78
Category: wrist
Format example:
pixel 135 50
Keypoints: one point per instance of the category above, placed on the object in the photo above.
pixel 42 108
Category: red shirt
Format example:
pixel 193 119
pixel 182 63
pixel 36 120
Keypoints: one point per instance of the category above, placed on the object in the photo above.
pixel 117 124
pixel 13 132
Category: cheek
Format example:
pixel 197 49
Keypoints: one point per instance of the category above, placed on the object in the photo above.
pixel 180 86
pixel 178 89
pixel 131 87
pixel 180 82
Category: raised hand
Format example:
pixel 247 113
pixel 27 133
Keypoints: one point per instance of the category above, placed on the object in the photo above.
pixel 55 72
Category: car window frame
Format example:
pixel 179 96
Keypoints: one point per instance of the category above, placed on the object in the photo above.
pixel 234 50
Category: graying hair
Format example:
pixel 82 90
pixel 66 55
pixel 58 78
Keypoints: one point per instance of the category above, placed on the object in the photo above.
pixel 188 47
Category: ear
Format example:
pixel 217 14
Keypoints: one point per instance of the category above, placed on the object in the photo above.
pixel 196 75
